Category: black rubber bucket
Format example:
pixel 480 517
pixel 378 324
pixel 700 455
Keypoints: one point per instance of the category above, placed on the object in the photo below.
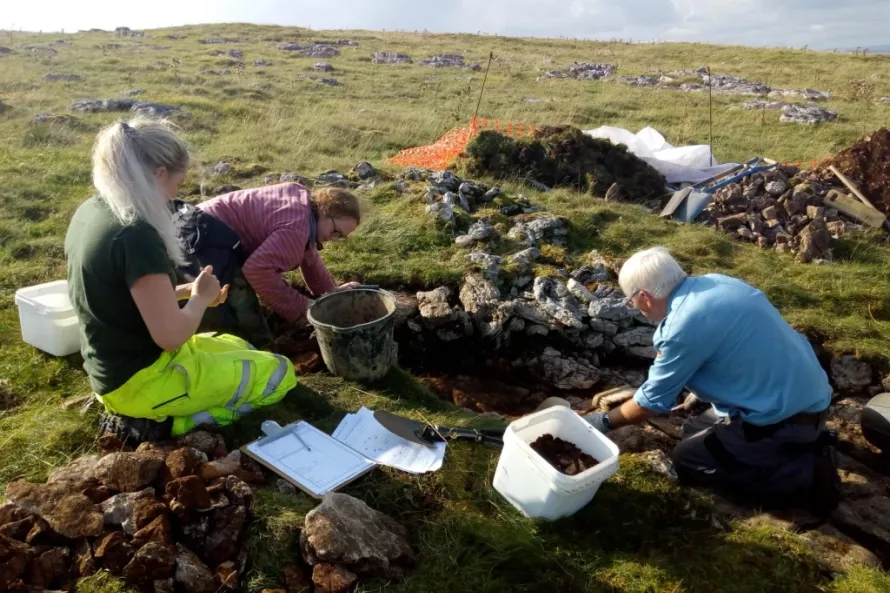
pixel 354 329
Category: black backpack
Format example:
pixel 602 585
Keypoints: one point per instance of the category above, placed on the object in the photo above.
pixel 206 241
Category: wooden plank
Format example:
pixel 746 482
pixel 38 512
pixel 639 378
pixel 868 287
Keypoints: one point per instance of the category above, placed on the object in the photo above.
pixel 851 186
pixel 844 203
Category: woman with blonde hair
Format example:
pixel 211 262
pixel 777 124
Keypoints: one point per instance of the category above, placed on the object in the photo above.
pixel 155 377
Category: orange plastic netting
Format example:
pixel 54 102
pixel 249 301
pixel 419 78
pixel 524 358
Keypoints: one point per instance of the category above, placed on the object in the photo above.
pixel 438 155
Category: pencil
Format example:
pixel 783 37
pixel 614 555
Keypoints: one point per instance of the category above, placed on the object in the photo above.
pixel 299 438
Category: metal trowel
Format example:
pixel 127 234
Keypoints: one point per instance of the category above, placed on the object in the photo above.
pixel 430 434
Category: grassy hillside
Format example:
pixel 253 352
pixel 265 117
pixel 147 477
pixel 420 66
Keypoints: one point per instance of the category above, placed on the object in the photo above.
pixel 644 534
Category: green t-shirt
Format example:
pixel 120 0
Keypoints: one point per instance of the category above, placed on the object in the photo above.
pixel 105 258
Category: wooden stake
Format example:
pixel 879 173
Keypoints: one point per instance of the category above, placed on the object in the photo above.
pixel 852 187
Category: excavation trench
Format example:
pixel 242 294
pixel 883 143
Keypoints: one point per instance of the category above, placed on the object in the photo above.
pixel 511 377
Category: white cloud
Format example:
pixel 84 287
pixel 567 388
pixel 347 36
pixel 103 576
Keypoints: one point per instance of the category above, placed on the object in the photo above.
pixel 751 22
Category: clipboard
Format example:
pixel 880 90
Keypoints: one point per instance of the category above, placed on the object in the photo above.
pixel 311 460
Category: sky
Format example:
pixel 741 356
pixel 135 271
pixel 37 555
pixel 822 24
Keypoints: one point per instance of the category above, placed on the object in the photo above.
pixel 818 24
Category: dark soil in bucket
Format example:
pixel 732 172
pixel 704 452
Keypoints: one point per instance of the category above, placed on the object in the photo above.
pixel 563 455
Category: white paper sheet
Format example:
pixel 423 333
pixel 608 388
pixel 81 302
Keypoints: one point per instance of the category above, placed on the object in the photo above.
pixel 325 466
pixel 362 432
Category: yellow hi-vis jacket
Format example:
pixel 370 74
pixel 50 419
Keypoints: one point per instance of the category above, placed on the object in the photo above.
pixel 209 380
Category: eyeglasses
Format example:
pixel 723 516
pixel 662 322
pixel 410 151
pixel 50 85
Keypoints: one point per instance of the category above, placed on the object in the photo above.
pixel 628 302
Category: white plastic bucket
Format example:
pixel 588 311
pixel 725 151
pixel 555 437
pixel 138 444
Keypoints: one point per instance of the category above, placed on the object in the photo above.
pixel 47 317
pixel 535 487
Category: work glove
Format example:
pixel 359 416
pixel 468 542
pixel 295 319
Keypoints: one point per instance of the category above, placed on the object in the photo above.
pixel 598 420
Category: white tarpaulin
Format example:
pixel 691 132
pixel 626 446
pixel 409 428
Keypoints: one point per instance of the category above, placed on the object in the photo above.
pixel 678 164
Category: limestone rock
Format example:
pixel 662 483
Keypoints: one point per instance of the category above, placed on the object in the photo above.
pixel 192 574
pixel 554 299
pixel 114 552
pixel 117 511
pixel 815 240
pixel 210 444
pixel 850 374
pixel 82 563
pixel 364 170
pixel 70 515
pixel 565 372
pixel 440 211
pixel 77 474
pixel 18 530
pixel 836 552
pixel 50 569
pixel 445 180
pixel 346 531
pixel 152 562
pixel 333 578
pixel 580 292
pixel 544 229
pixel 234 464
pixel 57 77
pixel 184 461
pixel 479 296
pixel 660 463
pixel 478 231
pixel 128 472
pixel 13 560
pixel 611 309
pixel 158 531
pixel 434 307
pixel 238 492
pixel 638 336
pixel 489 264
pixel 870 515
pixel 190 492
pixel 525 257
pixel 226 527
pixel 389 57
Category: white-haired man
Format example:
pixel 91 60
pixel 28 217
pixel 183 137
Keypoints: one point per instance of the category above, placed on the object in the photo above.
pixel 724 341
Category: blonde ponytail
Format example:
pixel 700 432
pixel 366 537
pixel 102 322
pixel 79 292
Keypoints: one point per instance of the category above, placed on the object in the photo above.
pixel 125 157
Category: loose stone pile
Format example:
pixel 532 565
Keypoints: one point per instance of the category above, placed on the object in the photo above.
pixel 552 329
pixel 781 209
pixel 167 517
pixel 138 107
pixel 61 77
pixel 311 51
pixel 801 113
pixel 326 81
pixel 389 57
pixel 449 61
pixel 127 32
pixel 582 70
pixel 216 40
pixel 720 83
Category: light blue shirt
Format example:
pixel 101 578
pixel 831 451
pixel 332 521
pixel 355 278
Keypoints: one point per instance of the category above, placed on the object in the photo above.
pixel 726 342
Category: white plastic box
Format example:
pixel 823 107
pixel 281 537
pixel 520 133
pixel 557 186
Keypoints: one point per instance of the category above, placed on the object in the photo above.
pixel 535 487
pixel 48 319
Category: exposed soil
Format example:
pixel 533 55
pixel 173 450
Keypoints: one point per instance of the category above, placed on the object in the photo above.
pixel 563 455
pixel 485 395
pixel 867 164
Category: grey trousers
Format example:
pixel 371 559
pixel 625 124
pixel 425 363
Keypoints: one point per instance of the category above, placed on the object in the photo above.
pixel 716 451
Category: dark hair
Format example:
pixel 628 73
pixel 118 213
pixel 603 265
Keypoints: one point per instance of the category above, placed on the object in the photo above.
pixel 337 203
